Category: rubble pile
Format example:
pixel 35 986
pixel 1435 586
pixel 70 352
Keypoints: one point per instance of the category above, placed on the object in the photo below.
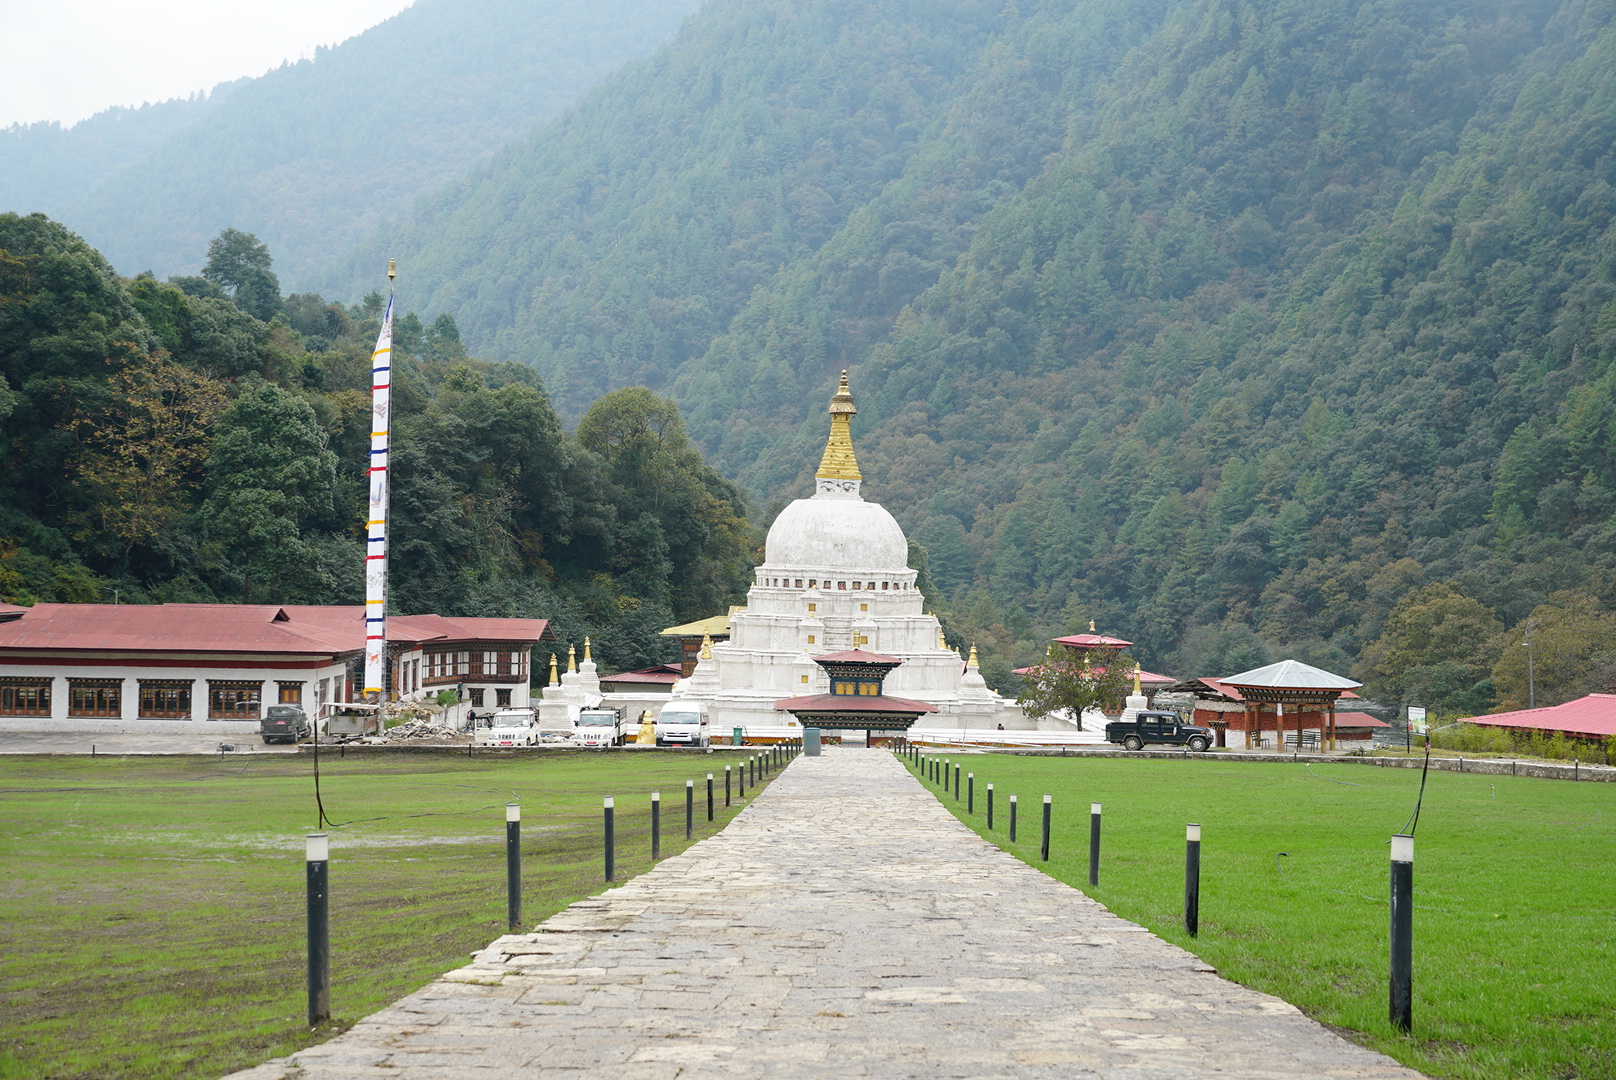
pixel 422 728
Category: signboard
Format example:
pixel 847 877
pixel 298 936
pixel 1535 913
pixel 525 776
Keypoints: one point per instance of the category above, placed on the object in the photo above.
pixel 1416 719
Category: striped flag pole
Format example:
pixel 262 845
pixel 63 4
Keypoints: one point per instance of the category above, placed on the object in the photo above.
pixel 381 387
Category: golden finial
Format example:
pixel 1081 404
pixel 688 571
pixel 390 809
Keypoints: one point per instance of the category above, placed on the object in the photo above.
pixel 839 462
pixel 706 647
pixel 554 678
pixel 942 639
pixel 572 659
pixel 1091 626
pixel 1136 680
pixel 587 657
pixel 392 271
pixel 972 661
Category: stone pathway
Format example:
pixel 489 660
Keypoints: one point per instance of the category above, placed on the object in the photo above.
pixel 844 925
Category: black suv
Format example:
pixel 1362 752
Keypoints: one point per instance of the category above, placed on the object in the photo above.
pixel 285 723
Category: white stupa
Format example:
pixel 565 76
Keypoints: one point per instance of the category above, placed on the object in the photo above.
pixel 836 577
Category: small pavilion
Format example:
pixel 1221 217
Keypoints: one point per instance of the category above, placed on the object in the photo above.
pixel 856 701
pixel 1297 695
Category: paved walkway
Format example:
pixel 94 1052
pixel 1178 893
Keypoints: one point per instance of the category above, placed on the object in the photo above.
pixel 844 925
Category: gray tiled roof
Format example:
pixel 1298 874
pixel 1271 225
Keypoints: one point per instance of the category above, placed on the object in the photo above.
pixel 1291 675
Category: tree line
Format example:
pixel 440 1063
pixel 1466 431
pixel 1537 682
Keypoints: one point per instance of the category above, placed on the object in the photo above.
pixel 205 439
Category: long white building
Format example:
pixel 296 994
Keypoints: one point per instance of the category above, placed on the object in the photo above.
pixel 133 668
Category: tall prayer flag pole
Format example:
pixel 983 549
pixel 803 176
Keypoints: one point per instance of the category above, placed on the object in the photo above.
pixel 381 386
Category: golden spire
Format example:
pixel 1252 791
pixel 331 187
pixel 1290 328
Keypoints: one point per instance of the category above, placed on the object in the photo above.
pixel 1091 626
pixel 1136 680
pixel 554 678
pixel 972 661
pixel 839 462
pixel 706 647
pixel 942 641
pixel 572 658
pixel 586 651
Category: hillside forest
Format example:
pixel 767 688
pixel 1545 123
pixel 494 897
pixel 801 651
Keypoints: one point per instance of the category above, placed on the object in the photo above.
pixel 1246 328
pixel 314 155
pixel 205 439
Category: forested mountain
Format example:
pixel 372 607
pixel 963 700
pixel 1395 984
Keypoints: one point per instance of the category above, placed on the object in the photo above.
pixel 1237 327
pixel 313 155
pixel 159 442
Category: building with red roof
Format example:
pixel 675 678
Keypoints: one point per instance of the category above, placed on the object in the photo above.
pixel 1590 717
pixel 857 700
pixel 136 667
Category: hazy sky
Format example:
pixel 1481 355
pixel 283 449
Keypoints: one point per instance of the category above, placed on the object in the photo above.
pixel 68 59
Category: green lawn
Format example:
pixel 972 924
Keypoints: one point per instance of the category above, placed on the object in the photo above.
pixel 154 919
pixel 1515 893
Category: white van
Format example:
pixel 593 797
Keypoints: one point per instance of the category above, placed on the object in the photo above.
pixel 682 723
pixel 599 726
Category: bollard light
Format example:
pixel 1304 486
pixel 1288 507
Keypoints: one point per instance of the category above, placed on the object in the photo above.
pixel 611 840
pixel 317 861
pixel 1048 808
pixel 513 865
pixel 990 807
pixel 970 793
pixel 1094 843
pixel 656 825
pixel 1012 819
pixel 709 796
pixel 726 785
pixel 1402 932
pixel 1192 879
pixel 690 809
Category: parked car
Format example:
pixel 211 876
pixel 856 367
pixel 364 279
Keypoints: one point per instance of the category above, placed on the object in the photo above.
pixel 1163 728
pixel 285 723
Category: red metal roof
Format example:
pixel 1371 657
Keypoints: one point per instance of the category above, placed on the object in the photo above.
pixel 1218 686
pixel 850 703
pixel 1591 715
pixel 1093 641
pixel 1145 677
pixel 857 656
pixel 662 673
pixel 1358 719
pixel 250 628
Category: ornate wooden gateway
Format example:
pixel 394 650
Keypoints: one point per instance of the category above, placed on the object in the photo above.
pixel 855 701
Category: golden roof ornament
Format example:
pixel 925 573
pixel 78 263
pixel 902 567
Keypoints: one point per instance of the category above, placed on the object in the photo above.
pixel 838 463
pixel 554 678
pixel 1136 680
pixel 1091 626
pixel 706 647
pixel 972 661
pixel 572 658
pixel 942 639
pixel 587 657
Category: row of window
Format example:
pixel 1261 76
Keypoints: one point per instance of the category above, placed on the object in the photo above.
pixel 855 688
pixel 158 699
pixel 815 583
pixel 473 663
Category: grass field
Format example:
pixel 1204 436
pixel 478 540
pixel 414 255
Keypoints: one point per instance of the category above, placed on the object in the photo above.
pixel 154 918
pixel 1515 894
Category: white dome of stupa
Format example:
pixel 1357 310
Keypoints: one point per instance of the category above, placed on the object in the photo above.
pixel 830 534
pixel 837 530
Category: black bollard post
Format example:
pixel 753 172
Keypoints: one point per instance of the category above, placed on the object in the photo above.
pixel 990 806
pixel 1192 879
pixel 1048 807
pixel 656 825
pixel 513 865
pixel 611 841
pixel 726 785
pixel 1012 819
pixel 690 809
pixel 1402 932
pixel 740 778
pixel 956 782
pixel 317 858
pixel 709 796
pixel 1094 843
pixel 970 793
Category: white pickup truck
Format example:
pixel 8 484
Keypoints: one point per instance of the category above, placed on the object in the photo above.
pixel 599 726
pixel 511 727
